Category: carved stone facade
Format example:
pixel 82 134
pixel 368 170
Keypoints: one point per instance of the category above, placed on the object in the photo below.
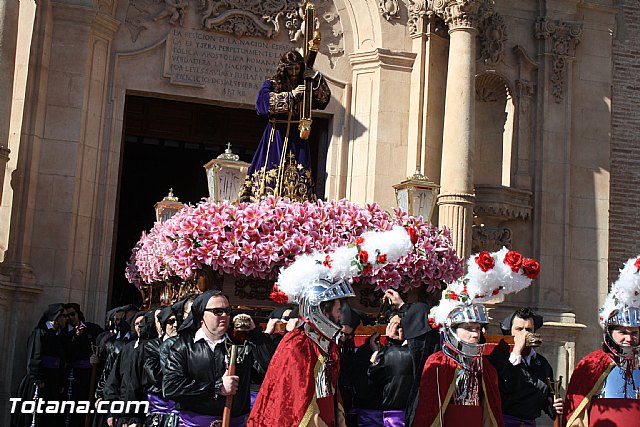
pixel 560 41
pixel 463 13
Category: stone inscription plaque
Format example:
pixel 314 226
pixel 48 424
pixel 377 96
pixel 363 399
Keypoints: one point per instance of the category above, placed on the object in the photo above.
pixel 234 68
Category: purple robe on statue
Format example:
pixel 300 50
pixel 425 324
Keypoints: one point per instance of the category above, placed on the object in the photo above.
pixel 282 165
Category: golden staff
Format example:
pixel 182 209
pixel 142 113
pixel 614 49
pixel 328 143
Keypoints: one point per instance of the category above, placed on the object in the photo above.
pixel 310 47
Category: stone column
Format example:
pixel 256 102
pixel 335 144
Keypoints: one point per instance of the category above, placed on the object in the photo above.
pixel 456 200
pixel 8 39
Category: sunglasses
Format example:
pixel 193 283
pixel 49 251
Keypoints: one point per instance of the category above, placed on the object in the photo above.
pixel 219 311
pixel 171 321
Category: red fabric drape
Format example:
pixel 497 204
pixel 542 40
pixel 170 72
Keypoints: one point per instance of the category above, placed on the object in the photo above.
pixel 289 385
pixel 587 374
pixel 440 371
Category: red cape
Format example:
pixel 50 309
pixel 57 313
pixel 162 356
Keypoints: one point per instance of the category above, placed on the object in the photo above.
pixel 441 370
pixel 586 380
pixel 287 395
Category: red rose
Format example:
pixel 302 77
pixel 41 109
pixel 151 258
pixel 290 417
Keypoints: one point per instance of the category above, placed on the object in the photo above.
pixel 531 268
pixel 327 261
pixel 453 296
pixel 485 261
pixel 433 324
pixel 637 264
pixel 363 257
pixel 381 259
pixel 367 269
pixel 279 297
pixel 413 235
pixel 359 240
pixel 514 260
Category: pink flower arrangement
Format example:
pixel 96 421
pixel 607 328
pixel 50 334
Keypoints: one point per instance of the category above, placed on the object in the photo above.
pixel 258 239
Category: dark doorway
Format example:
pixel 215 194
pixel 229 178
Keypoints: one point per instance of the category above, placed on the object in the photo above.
pixel 165 145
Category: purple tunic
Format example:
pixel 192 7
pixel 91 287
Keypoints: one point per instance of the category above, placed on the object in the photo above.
pixel 282 165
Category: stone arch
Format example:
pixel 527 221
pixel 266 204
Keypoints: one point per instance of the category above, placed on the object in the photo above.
pixel 361 22
pixel 494 138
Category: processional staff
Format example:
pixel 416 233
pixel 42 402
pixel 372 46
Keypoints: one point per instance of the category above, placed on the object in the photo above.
pixel 310 50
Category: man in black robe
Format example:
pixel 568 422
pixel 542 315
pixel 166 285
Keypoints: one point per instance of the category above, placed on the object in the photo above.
pixel 79 341
pixel 161 410
pixel 112 347
pixel 196 375
pixel 45 367
pixel 523 373
pixel 126 377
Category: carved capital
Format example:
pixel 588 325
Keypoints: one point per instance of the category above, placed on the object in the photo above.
pixel 463 13
pixel 458 199
pixel 560 41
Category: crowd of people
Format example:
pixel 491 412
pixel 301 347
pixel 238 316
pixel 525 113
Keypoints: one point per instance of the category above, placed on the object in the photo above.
pixel 197 363
pixel 177 359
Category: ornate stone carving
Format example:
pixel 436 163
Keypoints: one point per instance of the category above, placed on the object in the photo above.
pixel 418 10
pixel 486 238
pixel 389 9
pixel 504 203
pixel 560 41
pixel 258 18
pixel 524 88
pixel 463 13
pixel 174 10
pixel 492 35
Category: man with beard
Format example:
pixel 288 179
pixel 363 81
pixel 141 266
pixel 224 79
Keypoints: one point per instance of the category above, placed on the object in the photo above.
pixel 79 340
pixel 45 367
pixel 196 375
pixel 281 165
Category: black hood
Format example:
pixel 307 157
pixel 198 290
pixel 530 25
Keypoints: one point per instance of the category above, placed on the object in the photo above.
pixel 415 320
pixel 51 313
pixel 350 317
pixel 200 303
pixel 164 315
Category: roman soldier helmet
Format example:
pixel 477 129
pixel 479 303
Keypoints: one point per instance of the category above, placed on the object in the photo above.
pixel 488 276
pixel 317 278
pixel 622 308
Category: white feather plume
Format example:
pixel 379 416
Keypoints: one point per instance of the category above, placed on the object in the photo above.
pixel 624 292
pixel 481 285
pixel 308 269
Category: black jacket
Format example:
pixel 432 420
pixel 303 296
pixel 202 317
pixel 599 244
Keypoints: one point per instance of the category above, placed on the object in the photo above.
pixel 152 378
pixel 393 372
pixel 125 380
pixel 523 387
pixel 193 374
